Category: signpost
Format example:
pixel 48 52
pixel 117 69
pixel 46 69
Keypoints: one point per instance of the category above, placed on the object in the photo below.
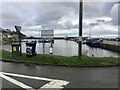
pixel 47 34
pixel 18 29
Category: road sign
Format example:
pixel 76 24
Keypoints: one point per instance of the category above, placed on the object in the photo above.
pixel 18 28
pixel 47 33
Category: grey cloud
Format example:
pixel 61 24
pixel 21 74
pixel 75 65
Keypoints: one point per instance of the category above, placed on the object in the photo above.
pixel 68 24
pixel 101 9
pixel 30 33
pixel 99 32
pixel 93 24
pixel 48 14
pixel 97 9
pixel 105 32
pixel 106 7
pixel 115 14
pixel 102 21
pixel 76 26
pixel 10 18
pixel 90 10
pixel 67 34
pixel 12 14
pixel 54 12
pixel 98 20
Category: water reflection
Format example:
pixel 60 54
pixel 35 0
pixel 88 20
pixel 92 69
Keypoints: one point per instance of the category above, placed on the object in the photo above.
pixel 67 48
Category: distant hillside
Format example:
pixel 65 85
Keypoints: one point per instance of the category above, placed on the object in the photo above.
pixel 9 32
pixel 6 35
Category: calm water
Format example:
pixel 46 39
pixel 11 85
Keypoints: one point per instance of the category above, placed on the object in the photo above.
pixel 66 48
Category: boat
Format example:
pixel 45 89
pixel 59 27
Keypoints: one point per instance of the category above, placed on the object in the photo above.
pixel 93 42
pixel 66 38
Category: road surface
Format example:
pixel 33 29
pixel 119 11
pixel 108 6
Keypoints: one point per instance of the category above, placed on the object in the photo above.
pixel 22 76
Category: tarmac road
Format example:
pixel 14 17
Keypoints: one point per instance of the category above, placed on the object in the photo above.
pixel 70 77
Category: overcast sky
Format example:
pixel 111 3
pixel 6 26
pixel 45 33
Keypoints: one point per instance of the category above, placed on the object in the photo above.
pixel 63 17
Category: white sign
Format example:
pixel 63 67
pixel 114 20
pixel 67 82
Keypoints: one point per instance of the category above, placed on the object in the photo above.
pixel 80 38
pixel 47 33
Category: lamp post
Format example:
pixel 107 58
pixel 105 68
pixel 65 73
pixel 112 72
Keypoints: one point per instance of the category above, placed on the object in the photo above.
pixel 80 28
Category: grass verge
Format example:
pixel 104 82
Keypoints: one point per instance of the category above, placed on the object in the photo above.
pixel 62 60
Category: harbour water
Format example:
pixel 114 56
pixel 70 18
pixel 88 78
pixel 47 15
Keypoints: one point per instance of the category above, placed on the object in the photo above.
pixel 66 48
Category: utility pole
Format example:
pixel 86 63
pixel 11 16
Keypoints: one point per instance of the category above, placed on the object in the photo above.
pixel 80 28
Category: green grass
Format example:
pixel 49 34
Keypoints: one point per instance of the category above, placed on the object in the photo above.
pixel 62 60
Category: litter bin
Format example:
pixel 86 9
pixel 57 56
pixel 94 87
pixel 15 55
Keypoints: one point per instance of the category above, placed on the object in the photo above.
pixel 30 49
pixel 16 50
